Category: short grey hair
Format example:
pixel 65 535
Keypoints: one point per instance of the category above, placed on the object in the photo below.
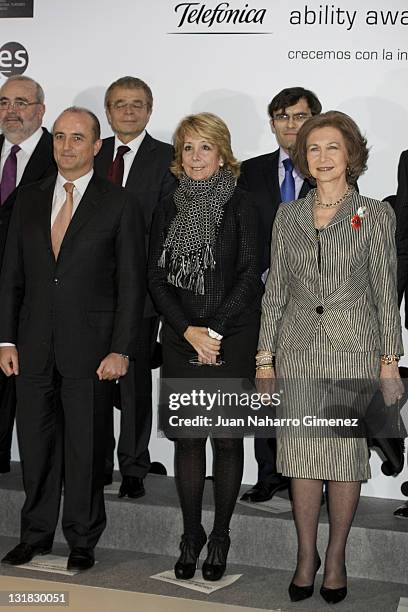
pixel 39 92
pixel 130 82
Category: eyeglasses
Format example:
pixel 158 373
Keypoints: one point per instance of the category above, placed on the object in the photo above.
pixel 134 106
pixel 19 105
pixel 297 118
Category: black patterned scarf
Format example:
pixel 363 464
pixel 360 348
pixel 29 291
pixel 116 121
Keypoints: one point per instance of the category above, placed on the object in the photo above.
pixel 190 243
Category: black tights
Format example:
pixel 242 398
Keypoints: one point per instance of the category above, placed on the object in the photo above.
pixel 190 478
pixel 343 502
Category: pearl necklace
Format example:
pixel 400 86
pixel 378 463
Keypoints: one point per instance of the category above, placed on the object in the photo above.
pixel 320 204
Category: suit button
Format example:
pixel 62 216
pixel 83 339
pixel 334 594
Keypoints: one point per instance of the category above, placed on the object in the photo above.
pixel 56 281
pixel 319 309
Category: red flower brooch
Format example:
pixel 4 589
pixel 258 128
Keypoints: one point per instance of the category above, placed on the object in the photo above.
pixel 356 219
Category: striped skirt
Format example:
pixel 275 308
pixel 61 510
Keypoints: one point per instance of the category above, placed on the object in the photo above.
pixel 325 387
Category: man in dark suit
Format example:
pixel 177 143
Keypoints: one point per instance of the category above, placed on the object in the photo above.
pixel 140 163
pixel 272 179
pixel 25 156
pixel 71 301
pixel 401 211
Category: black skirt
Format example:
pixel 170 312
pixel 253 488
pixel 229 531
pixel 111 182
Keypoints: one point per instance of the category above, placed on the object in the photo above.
pixel 238 352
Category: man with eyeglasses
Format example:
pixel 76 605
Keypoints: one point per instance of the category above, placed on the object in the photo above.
pixel 272 179
pixel 26 156
pixel 140 163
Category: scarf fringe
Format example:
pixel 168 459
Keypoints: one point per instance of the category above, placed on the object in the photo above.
pixel 190 243
pixel 187 271
pixel 162 260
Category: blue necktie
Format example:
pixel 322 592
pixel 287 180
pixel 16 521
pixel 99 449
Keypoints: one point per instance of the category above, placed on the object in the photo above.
pixel 288 185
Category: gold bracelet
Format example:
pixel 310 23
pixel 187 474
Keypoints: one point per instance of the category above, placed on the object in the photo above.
pixel 389 359
pixel 264 361
pixel 264 358
pixel 264 367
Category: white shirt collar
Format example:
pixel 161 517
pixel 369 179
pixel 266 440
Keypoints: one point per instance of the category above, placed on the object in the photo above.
pixel 80 183
pixel 28 145
pixel 133 144
pixel 283 155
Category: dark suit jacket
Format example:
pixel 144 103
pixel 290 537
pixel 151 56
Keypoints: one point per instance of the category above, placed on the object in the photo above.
pixel 149 180
pixel 233 288
pixel 260 176
pixel 87 304
pixel 40 165
pixel 401 211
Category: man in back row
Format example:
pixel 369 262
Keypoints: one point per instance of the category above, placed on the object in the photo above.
pixel 26 156
pixel 272 179
pixel 140 163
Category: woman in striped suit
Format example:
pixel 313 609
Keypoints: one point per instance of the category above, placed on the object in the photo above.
pixel 329 312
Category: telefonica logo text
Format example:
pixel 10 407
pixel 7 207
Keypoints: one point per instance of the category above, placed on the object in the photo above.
pixel 200 14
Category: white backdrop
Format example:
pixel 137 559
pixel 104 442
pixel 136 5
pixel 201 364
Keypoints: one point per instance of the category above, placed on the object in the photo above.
pixel 354 56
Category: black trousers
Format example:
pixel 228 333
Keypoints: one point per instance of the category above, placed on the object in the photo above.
pixel 61 428
pixel 265 455
pixel 136 409
pixel 7 415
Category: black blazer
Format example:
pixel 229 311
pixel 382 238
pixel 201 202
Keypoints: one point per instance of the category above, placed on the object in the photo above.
pixel 149 180
pixel 401 211
pixel 88 303
pixel 40 165
pixel 260 176
pixel 233 288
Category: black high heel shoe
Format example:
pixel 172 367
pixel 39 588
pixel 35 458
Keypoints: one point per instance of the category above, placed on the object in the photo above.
pixel 333 596
pixel 190 547
pixel 215 564
pixel 298 593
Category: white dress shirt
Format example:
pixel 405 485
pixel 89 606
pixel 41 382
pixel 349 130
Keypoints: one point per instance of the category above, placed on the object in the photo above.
pixel 130 155
pixel 60 194
pixel 281 171
pixel 58 200
pixel 26 150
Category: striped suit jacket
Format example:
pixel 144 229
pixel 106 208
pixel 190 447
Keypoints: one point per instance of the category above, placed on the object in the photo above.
pixel 341 278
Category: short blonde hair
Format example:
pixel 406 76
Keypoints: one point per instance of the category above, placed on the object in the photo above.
pixel 213 129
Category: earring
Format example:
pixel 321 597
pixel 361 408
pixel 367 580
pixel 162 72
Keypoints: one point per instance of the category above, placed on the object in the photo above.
pixel 221 163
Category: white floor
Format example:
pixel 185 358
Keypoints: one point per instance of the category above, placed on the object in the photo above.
pixel 95 599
